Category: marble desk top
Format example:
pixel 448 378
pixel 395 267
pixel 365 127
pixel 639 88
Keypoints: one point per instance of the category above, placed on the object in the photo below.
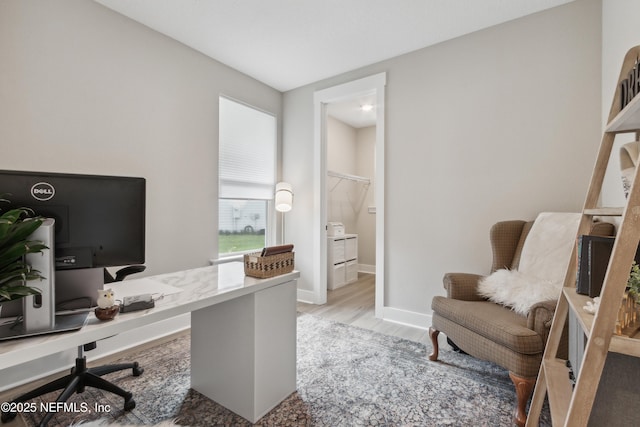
pixel 200 287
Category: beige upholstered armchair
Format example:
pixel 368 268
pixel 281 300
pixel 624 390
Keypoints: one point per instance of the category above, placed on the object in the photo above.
pixel 491 331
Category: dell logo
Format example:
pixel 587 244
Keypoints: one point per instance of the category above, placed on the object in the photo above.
pixel 43 191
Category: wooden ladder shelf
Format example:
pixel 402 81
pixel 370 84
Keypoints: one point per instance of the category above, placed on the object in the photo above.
pixel 571 406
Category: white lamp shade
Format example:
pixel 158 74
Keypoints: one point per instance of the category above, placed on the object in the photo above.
pixel 284 197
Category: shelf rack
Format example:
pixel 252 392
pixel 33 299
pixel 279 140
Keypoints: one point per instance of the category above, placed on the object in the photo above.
pixel 571 406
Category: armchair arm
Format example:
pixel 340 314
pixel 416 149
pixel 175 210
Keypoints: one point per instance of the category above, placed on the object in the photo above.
pixel 540 317
pixel 462 286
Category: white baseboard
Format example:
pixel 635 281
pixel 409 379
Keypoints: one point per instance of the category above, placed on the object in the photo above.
pixel 366 268
pixel 405 317
pixel 306 296
pixel 416 320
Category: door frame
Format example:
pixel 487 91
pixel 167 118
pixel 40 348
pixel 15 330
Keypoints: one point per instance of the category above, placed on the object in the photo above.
pixel 374 84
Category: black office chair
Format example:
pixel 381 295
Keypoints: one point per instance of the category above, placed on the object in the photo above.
pixel 81 376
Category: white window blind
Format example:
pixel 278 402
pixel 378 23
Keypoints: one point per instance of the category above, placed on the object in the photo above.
pixel 247 153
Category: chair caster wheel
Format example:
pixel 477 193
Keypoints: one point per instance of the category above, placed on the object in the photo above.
pixel 8 416
pixel 137 370
pixel 129 404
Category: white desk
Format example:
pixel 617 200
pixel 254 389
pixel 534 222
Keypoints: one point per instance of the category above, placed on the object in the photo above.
pixel 243 335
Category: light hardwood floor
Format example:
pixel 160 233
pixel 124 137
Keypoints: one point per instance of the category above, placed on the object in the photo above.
pixel 354 304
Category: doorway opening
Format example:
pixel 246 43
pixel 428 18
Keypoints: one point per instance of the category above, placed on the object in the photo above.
pixel 360 195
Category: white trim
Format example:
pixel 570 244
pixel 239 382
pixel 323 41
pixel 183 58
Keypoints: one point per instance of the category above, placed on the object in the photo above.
pixel 374 84
pixel 319 201
pixel 224 260
pixel 367 268
pixel 306 296
pixel 381 260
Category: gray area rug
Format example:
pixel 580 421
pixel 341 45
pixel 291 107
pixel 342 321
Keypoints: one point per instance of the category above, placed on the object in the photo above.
pixel 347 376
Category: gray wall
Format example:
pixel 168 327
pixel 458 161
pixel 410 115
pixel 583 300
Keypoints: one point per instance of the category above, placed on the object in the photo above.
pixel 620 32
pixel 86 90
pixel 341 158
pixel 500 124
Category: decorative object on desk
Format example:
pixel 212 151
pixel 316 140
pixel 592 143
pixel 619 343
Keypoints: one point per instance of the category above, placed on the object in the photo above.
pixel 16 225
pixel 108 313
pixel 106 298
pixel 347 376
pixel 107 307
pixel 272 261
pixel 137 302
pixel 283 202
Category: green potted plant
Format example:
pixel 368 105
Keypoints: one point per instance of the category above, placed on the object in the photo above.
pixel 16 225
pixel 633 283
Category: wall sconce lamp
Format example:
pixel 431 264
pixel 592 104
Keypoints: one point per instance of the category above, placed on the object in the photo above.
pixel 283 201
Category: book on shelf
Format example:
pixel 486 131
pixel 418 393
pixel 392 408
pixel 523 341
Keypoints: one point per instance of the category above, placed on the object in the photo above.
pixel 593 258
pixel 593 254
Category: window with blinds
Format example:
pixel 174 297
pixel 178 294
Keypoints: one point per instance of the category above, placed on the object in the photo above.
pixel 246 169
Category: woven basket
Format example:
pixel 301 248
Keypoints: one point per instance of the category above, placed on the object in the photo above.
pixel 263 267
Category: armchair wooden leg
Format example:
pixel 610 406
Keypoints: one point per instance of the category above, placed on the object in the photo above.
pixel 433 334
pixel 524 388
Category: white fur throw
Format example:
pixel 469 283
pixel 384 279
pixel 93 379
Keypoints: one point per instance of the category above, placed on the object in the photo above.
pixel 543 265
pixel 518 290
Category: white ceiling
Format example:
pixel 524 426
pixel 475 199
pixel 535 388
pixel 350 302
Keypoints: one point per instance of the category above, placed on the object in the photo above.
pixel 350 111
pixel 290 43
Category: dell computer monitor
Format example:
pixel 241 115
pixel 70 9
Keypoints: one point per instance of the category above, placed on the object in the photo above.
pixel 99 220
